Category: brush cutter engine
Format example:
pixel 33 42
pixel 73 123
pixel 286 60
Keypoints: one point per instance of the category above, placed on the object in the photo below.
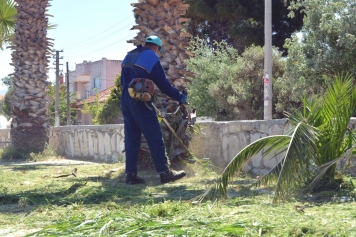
pixel 141 89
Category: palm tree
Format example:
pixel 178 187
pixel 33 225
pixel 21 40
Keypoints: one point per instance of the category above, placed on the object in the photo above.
pixel 319 139
pixel 8 13
pixel 31 49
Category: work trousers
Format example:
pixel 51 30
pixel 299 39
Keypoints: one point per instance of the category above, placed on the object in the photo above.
pixel 140 119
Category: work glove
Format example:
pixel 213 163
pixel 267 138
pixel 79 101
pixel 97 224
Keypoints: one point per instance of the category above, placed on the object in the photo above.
pixel 183 99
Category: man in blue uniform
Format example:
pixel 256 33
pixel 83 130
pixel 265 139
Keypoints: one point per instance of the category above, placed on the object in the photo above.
pixel 139 118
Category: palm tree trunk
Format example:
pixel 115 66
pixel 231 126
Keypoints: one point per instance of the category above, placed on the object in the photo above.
pixel 30 127
pixel 164 19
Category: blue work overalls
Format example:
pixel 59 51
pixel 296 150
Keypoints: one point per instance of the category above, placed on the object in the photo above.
pixel 139 118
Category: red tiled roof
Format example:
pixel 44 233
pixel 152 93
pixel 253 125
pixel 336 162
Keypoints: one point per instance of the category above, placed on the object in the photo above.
pixel 103 96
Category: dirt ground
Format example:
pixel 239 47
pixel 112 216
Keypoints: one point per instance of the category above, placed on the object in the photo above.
pixel 59 162
pixel 16 233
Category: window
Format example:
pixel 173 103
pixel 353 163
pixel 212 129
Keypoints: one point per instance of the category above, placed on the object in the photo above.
pixel 97 83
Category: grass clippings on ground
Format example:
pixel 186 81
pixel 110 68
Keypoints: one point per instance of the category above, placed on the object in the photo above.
pixel 95 202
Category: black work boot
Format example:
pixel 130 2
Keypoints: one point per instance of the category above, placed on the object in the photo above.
pixel 134 179
pixel 171 175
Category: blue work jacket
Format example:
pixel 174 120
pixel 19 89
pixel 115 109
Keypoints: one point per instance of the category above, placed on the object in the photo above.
pixel 147 65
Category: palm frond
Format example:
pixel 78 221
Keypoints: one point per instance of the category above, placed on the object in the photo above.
pixel 294 167
pixel 337 107
pixel 320 137
pixel 296 163
pixel 298 148
pixel 245 154
pixel 322 169
pixel 52 26
pixel 8 13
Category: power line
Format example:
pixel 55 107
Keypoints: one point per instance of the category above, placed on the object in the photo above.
pixel 98 40
pixel 98 49
pixel 99 33
pixel 101 39
pixel 71 56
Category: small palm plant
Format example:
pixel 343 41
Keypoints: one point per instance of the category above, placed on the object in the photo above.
pixel 8 13
pixel 320 137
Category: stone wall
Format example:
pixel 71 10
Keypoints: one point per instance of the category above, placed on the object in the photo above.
pixel 101 143
pixel 4 137
pixel 219 141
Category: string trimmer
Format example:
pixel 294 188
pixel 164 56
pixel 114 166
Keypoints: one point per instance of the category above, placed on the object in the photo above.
pixel 187 119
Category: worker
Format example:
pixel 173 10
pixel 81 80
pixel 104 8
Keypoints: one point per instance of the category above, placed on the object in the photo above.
pixel 139 118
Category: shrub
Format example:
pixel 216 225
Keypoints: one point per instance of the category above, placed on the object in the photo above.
pixel 111 112
pixel 229 86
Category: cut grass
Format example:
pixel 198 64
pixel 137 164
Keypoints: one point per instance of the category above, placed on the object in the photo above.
pixel 97 204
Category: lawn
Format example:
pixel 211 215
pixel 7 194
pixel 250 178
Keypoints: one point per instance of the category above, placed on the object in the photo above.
pixel 39 200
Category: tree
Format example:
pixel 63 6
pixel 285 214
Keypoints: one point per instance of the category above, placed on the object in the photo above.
pixel 8 13
pixel 241 22
pixel 111 109
pixel 319 139
pixel 7 81
pixel 324 48
pixel 62 104
pixel 93 108
pixel 6 105
pixel 227 85
pixel 31 50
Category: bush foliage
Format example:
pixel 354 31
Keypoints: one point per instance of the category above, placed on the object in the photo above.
pixel 110 112
pixel 62 104
pixel 229 86
pixel 324 48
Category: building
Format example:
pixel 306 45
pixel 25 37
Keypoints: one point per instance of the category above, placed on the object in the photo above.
pixel 101 97
pixel 91 77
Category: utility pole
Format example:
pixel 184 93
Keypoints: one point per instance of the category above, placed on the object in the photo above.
pixel 57 87
pixel 267 77
pixel 68 102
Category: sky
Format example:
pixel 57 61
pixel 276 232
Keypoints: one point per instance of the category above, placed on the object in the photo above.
pixel 86 30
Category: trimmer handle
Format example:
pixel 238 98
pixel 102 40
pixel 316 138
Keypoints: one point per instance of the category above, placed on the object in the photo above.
pixel 184 111
pixel 182 107
pixel 185 92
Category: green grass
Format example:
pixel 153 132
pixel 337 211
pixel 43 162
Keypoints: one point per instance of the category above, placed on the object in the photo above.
pixel 97 203
pixel 11 153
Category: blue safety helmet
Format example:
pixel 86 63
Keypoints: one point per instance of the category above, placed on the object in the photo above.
pixel 153 39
